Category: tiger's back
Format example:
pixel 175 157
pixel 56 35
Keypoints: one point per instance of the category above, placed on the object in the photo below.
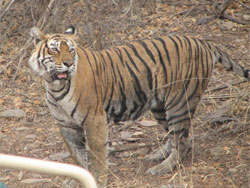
pixel 86 89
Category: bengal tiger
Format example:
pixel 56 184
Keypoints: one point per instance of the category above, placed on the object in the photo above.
pixel 86 90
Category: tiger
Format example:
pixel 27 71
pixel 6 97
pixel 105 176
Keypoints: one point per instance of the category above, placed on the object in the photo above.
pixel 86 90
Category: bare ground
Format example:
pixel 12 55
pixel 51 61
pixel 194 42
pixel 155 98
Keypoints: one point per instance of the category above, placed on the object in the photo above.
pixel 220 129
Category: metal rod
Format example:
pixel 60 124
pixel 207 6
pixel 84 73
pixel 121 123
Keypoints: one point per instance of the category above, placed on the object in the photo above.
pixel 48 167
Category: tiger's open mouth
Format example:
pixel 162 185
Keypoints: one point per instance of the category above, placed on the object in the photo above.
pixel 62 75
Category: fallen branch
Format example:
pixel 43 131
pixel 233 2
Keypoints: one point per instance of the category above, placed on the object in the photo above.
pixel 220 13
pixel 226 16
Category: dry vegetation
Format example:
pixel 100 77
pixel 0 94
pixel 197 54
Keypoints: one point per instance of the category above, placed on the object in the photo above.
pixel 221 127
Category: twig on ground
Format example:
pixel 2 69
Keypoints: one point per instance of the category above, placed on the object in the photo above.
pixel 226 86
pixel 226 96
pixel 226 16
pixel 242 4
pixel 6 9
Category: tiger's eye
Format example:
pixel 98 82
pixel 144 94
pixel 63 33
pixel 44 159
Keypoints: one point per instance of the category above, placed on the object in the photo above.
pixel 53 50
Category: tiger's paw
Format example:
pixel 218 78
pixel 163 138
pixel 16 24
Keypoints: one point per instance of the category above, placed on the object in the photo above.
pixel 157 156
pixel 161 153
pixel 166 166
pixel 176 154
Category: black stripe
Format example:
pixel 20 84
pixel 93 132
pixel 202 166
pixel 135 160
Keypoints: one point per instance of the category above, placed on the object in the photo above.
pixel 195 90
pixel 43 64
pixel 131 60
pixel 51 94
pixel 112 65
pixel 207 61
pixel 59 90
pixel 178 38
pixel 209 46
pixel 178 116
pixel 169 105
pixel 190 57
pixel 190 63
pixel 85 117
pixel 103 59
pixel 161 61
pixel 61 121
pixel 120 75
pixel 161 110
pixel 145 64
pixel 161 119
pixel 38 56
pixel 75 108
pixel 44 49
pixel 137 87
pixel 178 56
pixel 96 64
pixel 119 116
pixel 39 52
pixel 104 64
pixel 219 51
pixel 65 93
pixel 143 44
pixel 135 112
pixel 200 56
pixel 50 102
pixel 119 53
pixel 55 37
pixel 176 47
pixel 110 98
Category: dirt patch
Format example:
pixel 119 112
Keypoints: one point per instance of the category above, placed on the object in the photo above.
pixel 221 144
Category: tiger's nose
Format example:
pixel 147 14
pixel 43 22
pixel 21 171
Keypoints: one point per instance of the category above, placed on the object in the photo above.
pixel 67 63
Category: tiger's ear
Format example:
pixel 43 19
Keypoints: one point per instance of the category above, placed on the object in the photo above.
pixel 37 34
pixel 71 30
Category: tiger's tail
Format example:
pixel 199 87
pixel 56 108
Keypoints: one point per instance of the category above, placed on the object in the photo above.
pixel 231 65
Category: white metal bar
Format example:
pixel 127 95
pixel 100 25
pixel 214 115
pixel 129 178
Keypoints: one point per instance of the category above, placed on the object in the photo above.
pixel 48 167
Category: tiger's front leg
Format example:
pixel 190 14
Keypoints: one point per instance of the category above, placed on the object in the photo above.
pixel 75 140
pixel 176 148
pixel 96 130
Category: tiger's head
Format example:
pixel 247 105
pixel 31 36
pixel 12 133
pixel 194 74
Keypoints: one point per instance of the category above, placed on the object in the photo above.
pixel 55 56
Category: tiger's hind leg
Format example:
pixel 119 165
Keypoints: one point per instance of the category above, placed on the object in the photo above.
pixel 164 151
pixel 179 146
pixel 175 149
pixel 179 110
